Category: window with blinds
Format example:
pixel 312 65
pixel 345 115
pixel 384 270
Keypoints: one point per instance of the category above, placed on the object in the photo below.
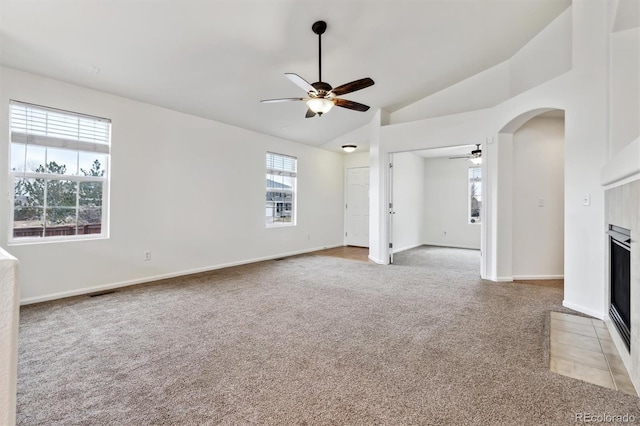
pixel 475 194
pixel 281 189
pixel 59 169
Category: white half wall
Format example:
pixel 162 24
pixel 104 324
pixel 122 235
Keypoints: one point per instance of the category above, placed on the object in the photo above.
pixel 9 323
pixel 538 199
pixel 446 204
pixel 189 190
pixel 408 200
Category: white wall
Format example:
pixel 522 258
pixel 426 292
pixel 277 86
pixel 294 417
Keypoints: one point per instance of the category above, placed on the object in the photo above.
pixel 446 204
pixel 583 92
pixel 586 140
pixel 378 196
pixel 547 55
pixel 538 199
pixel 408 200
pixel 188 189
pixel 356 159
pixel 483 90
pixel 625 88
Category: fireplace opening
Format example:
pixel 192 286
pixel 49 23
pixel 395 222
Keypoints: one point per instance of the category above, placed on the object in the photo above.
pixel 620 269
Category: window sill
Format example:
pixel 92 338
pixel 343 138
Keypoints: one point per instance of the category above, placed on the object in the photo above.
pixel 47 240
pixel 280 225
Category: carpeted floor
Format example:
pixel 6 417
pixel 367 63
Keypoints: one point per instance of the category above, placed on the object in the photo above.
pixel 305 340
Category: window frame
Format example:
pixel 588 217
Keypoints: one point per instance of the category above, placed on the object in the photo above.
pixel 469 207
pixel 14 175
pixel 293 191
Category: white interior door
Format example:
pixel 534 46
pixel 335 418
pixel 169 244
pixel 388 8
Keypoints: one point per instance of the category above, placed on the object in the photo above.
pixel 358 207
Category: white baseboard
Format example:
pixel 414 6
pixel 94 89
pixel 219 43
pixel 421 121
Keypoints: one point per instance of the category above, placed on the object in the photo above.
pixel 395 251
pixel 378 261
pixel 538 277
pixel 451 246
pixel 500 279
pixel 582 309
pixel 86 290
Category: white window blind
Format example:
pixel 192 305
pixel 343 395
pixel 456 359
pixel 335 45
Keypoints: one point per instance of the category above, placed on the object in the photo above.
pixel 475 194
pixel 38 125
pixel 281 190
pixel 281 165
pixel 59 167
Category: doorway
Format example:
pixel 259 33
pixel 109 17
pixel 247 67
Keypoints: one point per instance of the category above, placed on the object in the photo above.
pixel 434 199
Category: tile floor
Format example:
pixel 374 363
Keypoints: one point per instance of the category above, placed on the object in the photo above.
pixel 582 348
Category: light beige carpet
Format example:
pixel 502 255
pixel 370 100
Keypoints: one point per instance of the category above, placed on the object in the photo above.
pixel 305 340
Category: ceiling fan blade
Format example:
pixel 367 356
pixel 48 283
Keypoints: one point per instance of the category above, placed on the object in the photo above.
pixel 271 101
pixel 353 86
pixel 350 105
pixel 301 82
pixel 461 156
pixel 310 114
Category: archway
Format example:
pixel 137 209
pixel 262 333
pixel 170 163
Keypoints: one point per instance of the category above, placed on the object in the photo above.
pixel 524 236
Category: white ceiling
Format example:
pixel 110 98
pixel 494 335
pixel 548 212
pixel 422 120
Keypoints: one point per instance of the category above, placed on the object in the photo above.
pixel 217 59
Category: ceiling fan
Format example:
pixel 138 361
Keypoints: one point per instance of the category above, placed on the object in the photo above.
pixel 475 156
pixel 321 97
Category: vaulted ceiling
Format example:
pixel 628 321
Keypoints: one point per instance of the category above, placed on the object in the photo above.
pixel 217 59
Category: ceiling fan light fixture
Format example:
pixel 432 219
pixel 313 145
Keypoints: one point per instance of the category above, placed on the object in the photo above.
pixel 349 148
pixel 321 96
pixel 319 105
pixel 477 161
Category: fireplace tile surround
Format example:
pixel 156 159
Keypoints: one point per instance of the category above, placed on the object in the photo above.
pixel 622 208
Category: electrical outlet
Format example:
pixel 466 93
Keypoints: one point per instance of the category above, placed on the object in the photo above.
pixel 445 233
pixel 147 255
pixel 540 202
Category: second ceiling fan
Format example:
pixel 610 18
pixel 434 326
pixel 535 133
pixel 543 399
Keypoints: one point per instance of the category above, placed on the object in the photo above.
pixel 475 156
pixel 321 97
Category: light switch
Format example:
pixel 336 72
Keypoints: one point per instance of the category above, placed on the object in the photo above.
pixel 586 200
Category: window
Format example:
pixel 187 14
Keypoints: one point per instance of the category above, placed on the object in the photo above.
pixel 59 169
pixel 475 194
pixel 281 190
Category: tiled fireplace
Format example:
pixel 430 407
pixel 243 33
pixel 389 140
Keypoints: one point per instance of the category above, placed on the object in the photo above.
pixel 622 217
pixel 620 281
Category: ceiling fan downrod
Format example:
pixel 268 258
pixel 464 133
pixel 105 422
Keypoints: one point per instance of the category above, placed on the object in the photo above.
pixel 319 27
pixel 321 97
